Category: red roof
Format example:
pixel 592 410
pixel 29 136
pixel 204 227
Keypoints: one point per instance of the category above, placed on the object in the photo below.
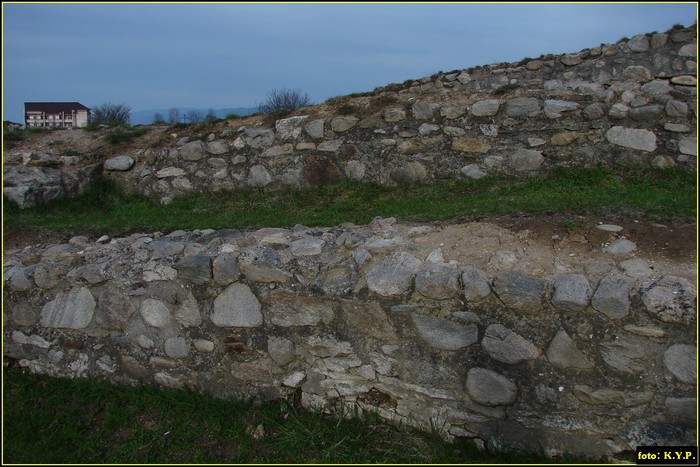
pixel 53 107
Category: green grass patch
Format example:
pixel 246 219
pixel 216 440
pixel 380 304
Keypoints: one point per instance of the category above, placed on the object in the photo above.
pixel 642 193
pixel 62 421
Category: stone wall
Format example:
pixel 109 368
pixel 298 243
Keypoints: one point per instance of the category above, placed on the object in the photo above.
pixel 594 357
pixel 631 103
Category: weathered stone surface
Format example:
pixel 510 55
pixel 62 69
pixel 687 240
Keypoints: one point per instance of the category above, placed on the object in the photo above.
pixel 475 284
pixel 315 128
pixel 523 107
pixel 683 409
pixel 565 138
pixel 409 173
pixel 485 108
pixel 193 151
pixel 520 292
pixel 676 109
pixel 438 281
pixel 165 249
pixel 368 318
pixel 308 246
pixel 392 275
pixel 203 345
pixel 258 137
pixel 194 269
pixel 680 360
pixel 343 123
pixel 688 145
pixel 187 313
pixel 687 51
pixel 554 108
pixel 155 313
pixel 424 110
pixel 452 111
pixel 119 163
pixel 625 355
pixel 285 308
pixel 225 269
pixel 525 160
pixel 636 267
pixel 291 127
pixel 642 140
pixel 263 264
pixel 571 60
pixel 393 115
pixel 473 171
pixel 489 388
pixel 593 396
pixel 170 172
pixel 443 334
pixel 670 299
pixel 276 151
pixel 237 306
pixel 321 170
pixel 571 292
pixel 620 247
pixel 259 176
pixel 562 353
pixel 612 296
pixel 72 310
pixel 176 347
pixel 639 43
pixel 116 308
pixel 685 80
pixel 506 346
pixel 470 145
pixel 637 73
pixel 281 350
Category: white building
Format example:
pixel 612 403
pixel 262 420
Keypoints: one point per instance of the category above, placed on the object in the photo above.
pixel 55 114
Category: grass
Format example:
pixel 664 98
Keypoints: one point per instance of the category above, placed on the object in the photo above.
pixel 124 135
pixel 56 421
pixel 645 193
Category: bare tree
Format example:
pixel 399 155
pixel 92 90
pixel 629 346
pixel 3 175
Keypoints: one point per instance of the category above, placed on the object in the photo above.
pixel 194 116
pixel 110 114
pixel 158 118
pixel 284 99
pixel 174 115
pixel 211 116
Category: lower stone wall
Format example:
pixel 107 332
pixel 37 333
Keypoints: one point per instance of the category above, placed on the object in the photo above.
pixel 595 358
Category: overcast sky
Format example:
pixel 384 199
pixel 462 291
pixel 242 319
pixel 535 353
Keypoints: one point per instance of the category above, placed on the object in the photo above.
pixel 231 55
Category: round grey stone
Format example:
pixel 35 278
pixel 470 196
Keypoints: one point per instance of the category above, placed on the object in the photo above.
pixel 489 388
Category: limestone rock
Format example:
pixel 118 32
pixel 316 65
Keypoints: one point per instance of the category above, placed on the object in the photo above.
pixel 392 275
pixel 424 110
pixel 237 306
pixel 612 296
pixel 72 310
pixel 520 292
pixel 225 269
pixel 155 313
pixel 525 160
pixel 194 269
pixel 562 353
pixel 523 107
pixel 343 123
pixel 291 127
pixel 555 108
pixel 489 388
pixel 476 145
pixel 485 108
pixel 593 396
pixel 642 140
pixel 193 151
pixel 506 346
pixel 119 163
pixel 443 334
pixel 571 292
pixel 475 284
pixel 626 355
pixel 285 308
pixel 176 347
pixel 670 299
pixel 259 137
pixel 281 350
pixel 681 361
pixel 437 281
pixel 263 264
pixel 393 115
pixel 473 171
pixel 620 247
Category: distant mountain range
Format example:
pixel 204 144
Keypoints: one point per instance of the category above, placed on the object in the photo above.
pixel 144 117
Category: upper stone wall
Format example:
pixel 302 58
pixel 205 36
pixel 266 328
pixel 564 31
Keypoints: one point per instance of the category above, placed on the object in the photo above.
pixel 630 103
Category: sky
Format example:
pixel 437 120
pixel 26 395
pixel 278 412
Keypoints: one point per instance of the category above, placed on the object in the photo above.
pixel 220 55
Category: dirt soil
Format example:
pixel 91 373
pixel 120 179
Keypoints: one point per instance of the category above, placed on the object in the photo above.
pixel 542 245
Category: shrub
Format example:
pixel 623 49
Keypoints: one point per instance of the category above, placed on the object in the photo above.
pixel 120 136
pixel 110 114
pixel 284 99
